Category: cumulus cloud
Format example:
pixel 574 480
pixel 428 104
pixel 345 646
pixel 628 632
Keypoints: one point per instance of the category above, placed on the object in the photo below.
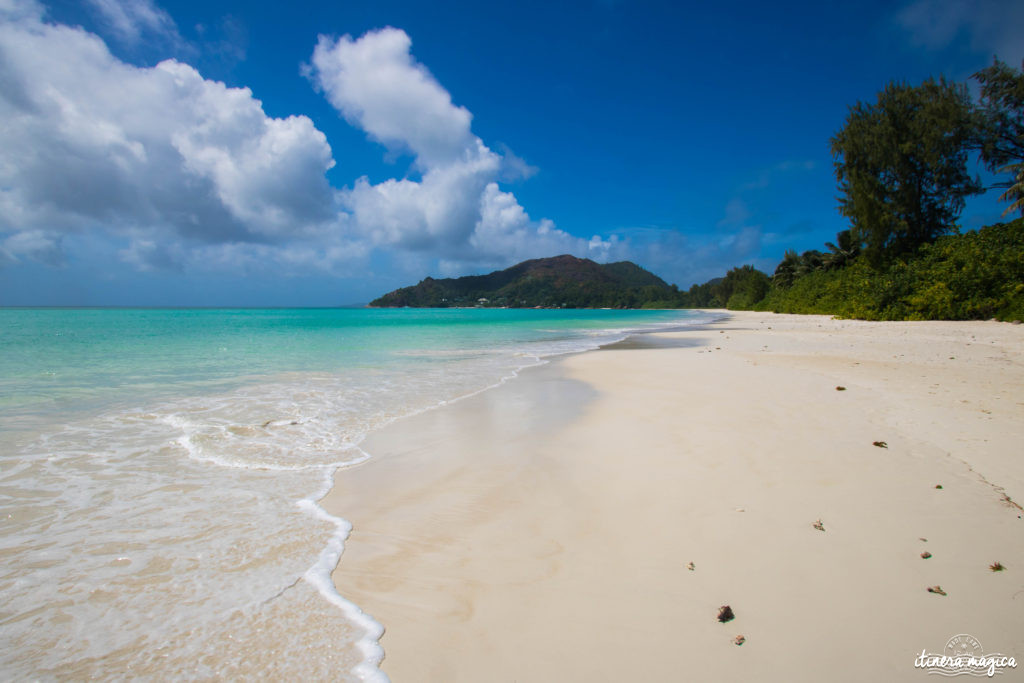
pixel 164 169
pixel 437 213
pixel 91 143
pixel 378 86
pixel 456 210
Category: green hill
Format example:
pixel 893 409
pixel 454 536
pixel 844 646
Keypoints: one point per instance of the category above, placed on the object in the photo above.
pixel 557 282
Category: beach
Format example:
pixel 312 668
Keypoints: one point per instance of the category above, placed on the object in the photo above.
pixel 161 471
pixel 588 519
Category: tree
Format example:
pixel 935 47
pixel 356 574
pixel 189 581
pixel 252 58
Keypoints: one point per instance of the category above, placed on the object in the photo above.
pixel 810 261
pixel 1015 192
pixel 786 272
pixel 901 164
pixel 1001 128
pixel 842 252
pixel 742 287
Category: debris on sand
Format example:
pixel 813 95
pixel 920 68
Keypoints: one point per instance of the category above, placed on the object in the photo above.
pixel 936 589
pixel 925 555
pixel 840 388
pixel 739 640
pixel 996 566
pixel 880 444
pixel 725 614
pixel 691 566
pixel 819 526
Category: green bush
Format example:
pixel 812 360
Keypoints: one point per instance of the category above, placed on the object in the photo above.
pixel 958 277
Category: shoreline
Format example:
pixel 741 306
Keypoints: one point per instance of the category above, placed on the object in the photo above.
pixel 542 530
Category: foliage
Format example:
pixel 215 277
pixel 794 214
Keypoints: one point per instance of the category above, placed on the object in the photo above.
pixel 1014 189
pixel 740 289
pixel 786 272
pixel 901 164
pixel 842 252
pixel 1001 128
pixel 702 296
pixel 974 275
pixel 743 287
pixel 557 282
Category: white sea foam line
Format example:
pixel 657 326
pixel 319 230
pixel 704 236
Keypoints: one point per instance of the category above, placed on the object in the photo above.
pixel 319 576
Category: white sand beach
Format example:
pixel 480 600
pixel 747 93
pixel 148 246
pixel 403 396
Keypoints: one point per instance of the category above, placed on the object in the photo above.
pixel 542 530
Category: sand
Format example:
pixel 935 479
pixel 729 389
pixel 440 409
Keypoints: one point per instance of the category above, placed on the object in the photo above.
pixel 542 531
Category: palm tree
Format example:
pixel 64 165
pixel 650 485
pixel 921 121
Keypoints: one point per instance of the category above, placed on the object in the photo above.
pixel 1016 190
pixel 786 271
pixel 810 261
pixel 841 255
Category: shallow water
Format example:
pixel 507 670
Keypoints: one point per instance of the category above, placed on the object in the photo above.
pixel 159 472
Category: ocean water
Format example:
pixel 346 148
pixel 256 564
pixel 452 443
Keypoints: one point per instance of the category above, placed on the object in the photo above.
pixel 160 472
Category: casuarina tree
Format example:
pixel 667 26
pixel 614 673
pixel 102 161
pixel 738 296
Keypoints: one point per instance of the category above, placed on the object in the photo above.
pixel 901 163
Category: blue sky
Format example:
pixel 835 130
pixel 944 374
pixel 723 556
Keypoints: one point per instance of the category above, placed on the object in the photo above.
pixel 316 154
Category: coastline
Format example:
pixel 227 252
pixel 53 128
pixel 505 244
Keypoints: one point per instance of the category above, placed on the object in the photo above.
pixel 542 530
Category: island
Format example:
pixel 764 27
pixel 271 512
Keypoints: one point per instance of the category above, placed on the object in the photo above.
pixel 557 282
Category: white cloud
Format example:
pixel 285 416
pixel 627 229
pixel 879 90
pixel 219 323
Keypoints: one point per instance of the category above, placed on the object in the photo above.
pixel 166 170
pixel 92 144
pixel 505 232
pixel 16 10
pixel 436 213
pixel 378 86
pixel 456 212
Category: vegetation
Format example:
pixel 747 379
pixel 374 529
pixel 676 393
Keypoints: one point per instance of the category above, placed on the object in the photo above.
pixel 901 164
pixel 958 277
pixel 558 282
pixel 1001 128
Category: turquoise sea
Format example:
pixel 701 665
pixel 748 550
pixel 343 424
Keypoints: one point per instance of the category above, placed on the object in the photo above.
pixel 160 471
